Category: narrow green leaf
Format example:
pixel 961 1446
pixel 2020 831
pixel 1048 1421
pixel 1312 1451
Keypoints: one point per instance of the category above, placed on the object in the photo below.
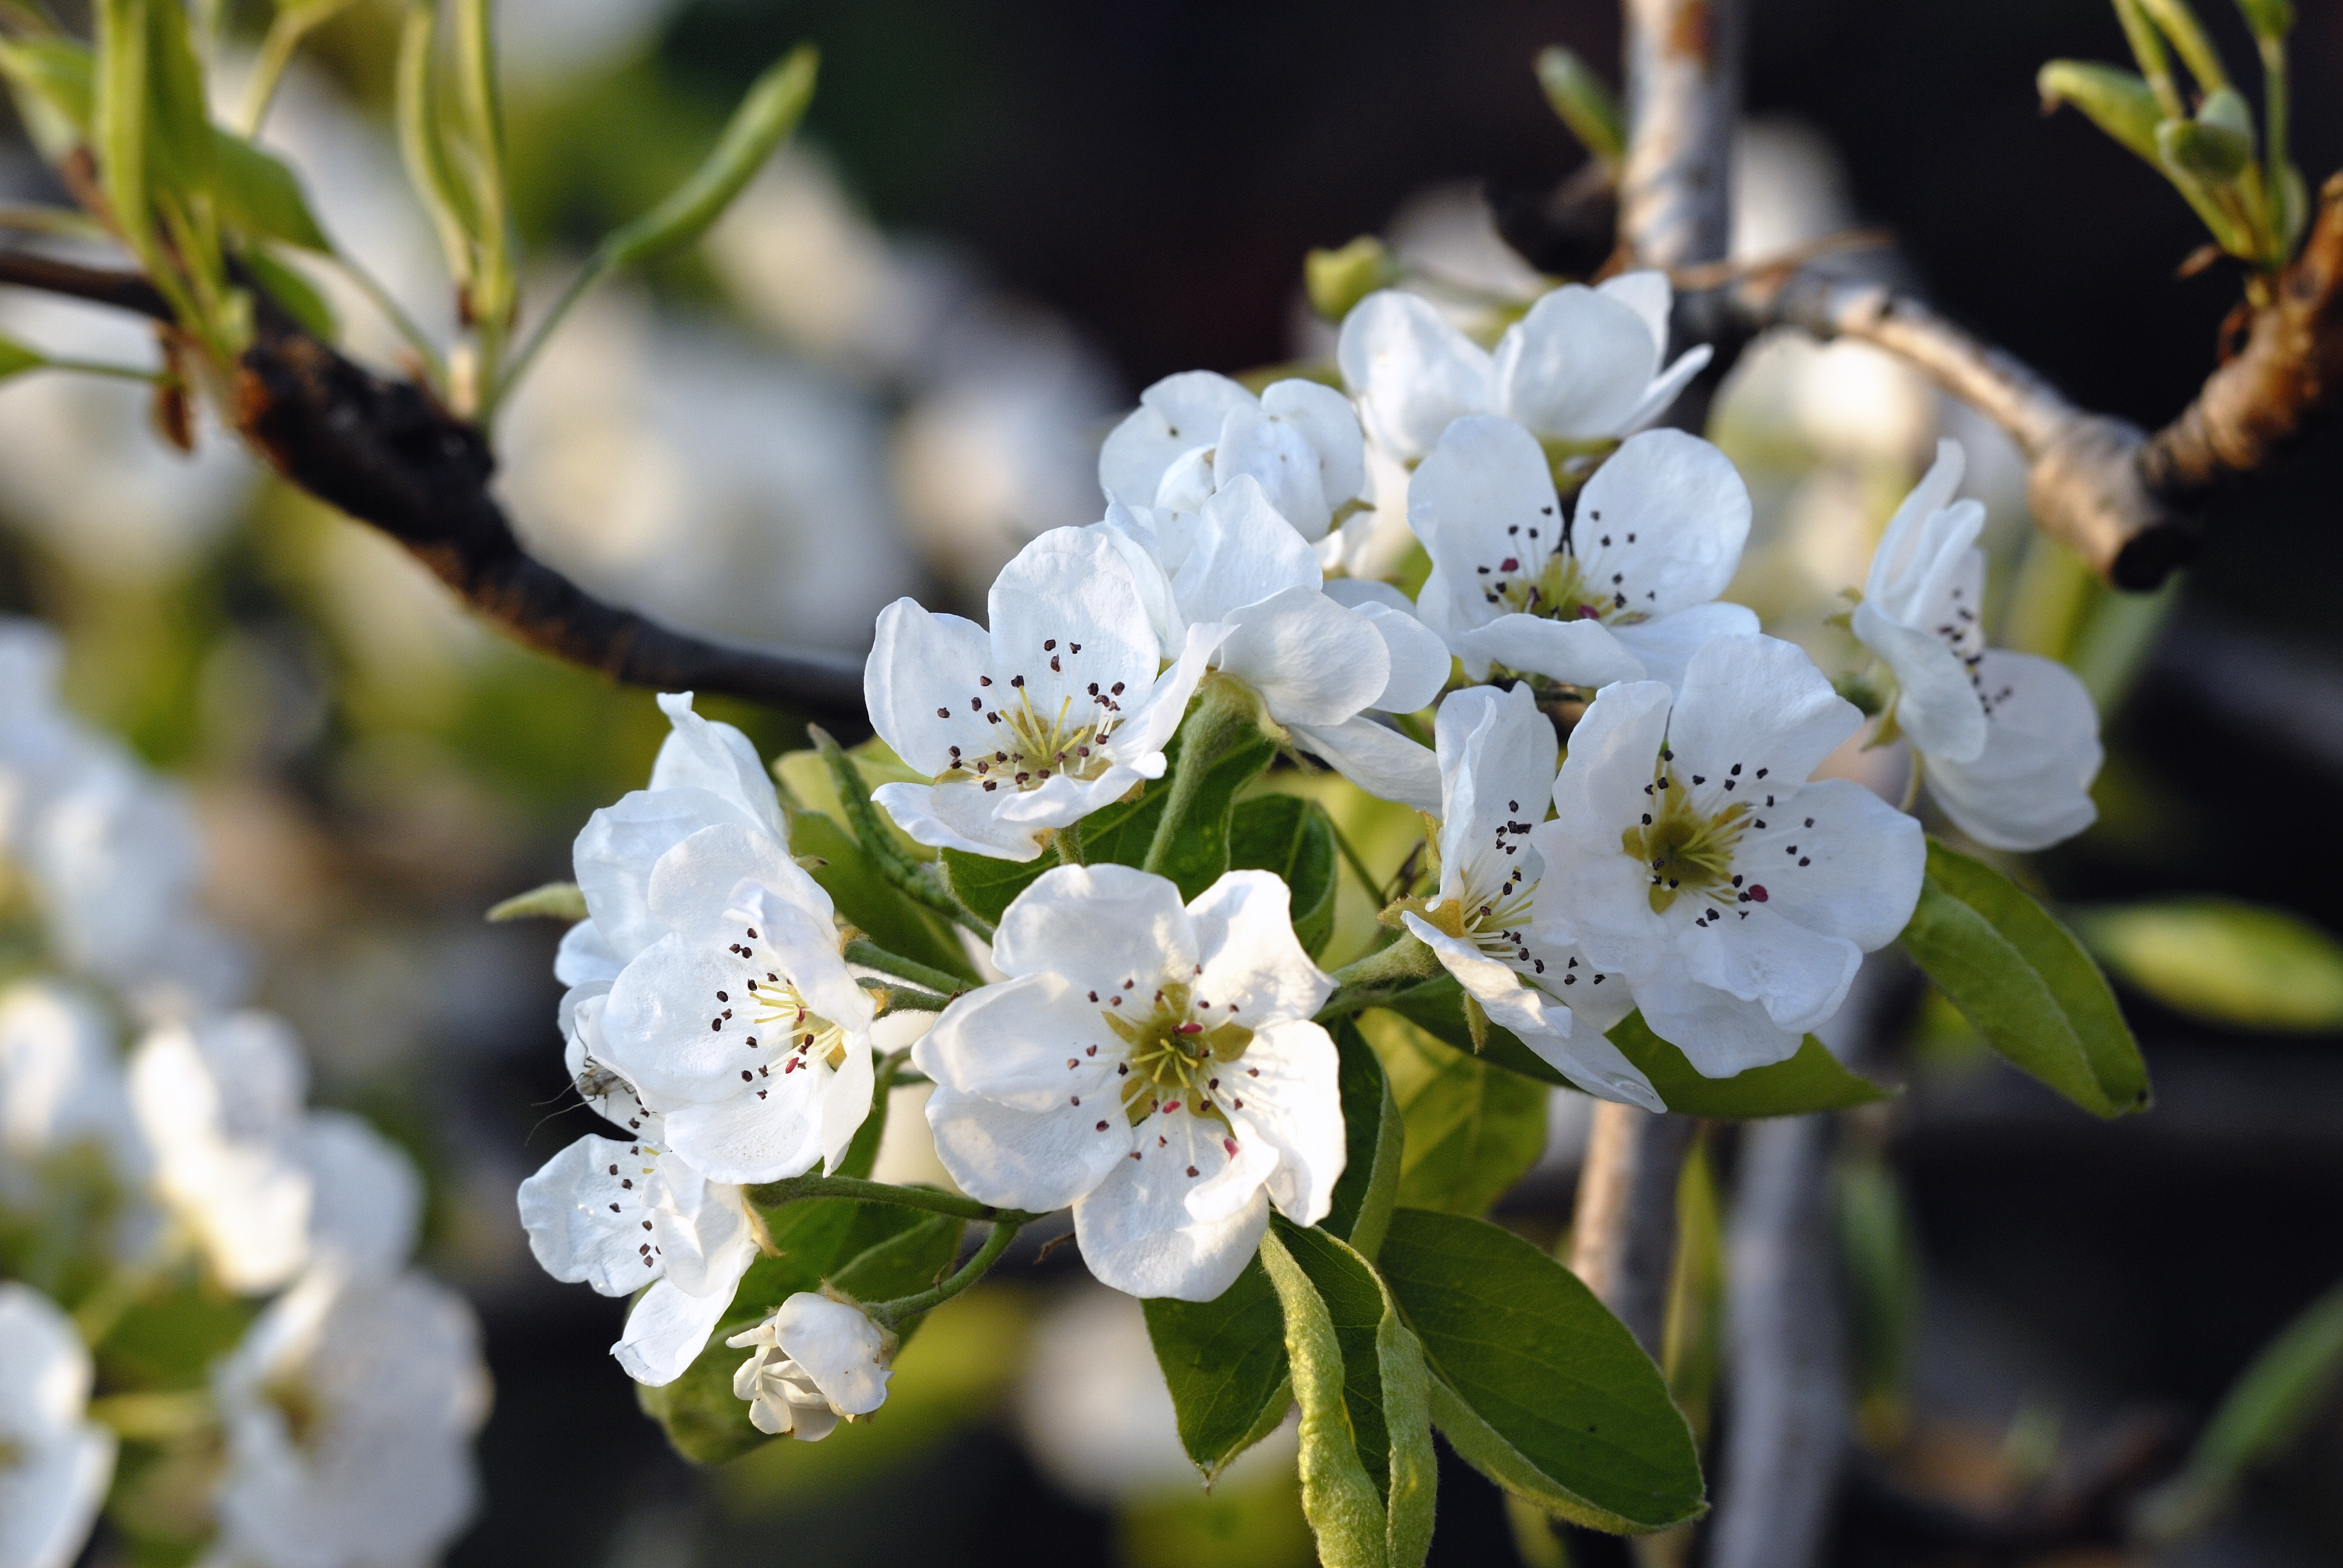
pixel 2221 960
pixel 1338 1494
pixel 179 130
pixel 1374 1133
pixel 2026 983
pixel 293 292
pixel 1224 1362
pixel 1354 1301
pixel 1120 833
pixel 2118 101
pixel 421 144
pixel 868 902
pixel 118 119
pixel 1535 1383
pixel 2269 20
pixel 2284 1389
pixel 53 76
pixel 1474 1129
pixel 554 900
pixel 262 197
pixel 15 359
pixel 1813 1080
pixel 1584 103
pixel 774 106
pixel 1295 839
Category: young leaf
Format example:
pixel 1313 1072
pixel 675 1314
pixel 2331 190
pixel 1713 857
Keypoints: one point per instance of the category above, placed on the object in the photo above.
pixel 551 901
pixel 1373 1129
pixel 1813 1080
pixel 15 359
pixel 2278 1395
pixel 1295 839
pixel 1585 103
pixel 2118 101
pixel 1224 1362
pixel 988 886
pixel 118 123
pixel 1535 1383
pixel 293 292
pixel 179 131
pixel 261 197
pixel 2228 962
pixel 53 76
pixel 868 901
pixel 774 106
pixel 1345 1510
pixel 1472 1128
pixel 2026 983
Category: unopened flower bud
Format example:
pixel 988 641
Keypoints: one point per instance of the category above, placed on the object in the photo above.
pixel 819 1360
pixel 1339 279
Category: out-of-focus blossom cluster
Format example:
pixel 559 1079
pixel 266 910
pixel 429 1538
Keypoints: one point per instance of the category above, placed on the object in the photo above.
pixel 157 1152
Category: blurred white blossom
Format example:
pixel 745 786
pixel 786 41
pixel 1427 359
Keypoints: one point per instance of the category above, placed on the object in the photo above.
pixel 55 1463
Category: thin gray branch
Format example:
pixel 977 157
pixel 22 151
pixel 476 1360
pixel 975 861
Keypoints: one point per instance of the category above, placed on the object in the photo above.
pixel 1623 1232
pixel 1788 1425
pixel 1683 96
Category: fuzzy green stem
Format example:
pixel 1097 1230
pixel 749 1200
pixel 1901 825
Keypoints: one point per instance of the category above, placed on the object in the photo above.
pixel 870 955
pixel 1226 715
pixel 890 1315
pixel 1068 841
pixel 908 875
pixel 773 1194
pixel 1382 974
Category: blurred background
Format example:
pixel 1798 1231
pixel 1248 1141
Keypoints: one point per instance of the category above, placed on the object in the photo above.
pixel 891 364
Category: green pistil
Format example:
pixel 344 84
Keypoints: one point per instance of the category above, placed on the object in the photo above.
pixel 1680 849
pixel 1173 1057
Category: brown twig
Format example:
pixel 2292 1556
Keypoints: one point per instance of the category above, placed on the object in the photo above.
pixel 385 453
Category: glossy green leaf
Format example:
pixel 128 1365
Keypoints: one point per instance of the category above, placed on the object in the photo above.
pixel 1474 1129
pixel 1813 1080
pixel 988 886
pixel 1295 839
pixel 1535 1383
pixel 1224 1362
pixel 1374 1133
pixel 766 116
pixel 2228 962
pixel 2026 983
pixel 2285 1388
pixel 118 118
pixel 1338 1494
pixel 261 197
pixel 868 901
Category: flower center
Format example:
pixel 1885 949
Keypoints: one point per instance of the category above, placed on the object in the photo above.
pixel 1175 1058
pixel 1032 744
pixel 1686 850
pixel 806 1034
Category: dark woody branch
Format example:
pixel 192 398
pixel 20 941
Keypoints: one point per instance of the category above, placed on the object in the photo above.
pixel 385 454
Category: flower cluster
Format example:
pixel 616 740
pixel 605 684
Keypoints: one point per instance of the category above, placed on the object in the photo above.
pixel 1149 1051
pixel 347 1409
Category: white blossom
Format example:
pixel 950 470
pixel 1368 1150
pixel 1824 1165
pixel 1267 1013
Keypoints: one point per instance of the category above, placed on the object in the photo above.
pixel 55 1463
pixel 1054 713
pixel 1320 663
pixel 621 1216
pixel 366 1200
pixel 349 1408
pixel 60 1084
pixel 2009 742
pixel 219 1100
pixel 1620 588
pixel 1193 433
pixel 1582 367
pixel 1493 923
pixel 739 1025
pixel 1697 858
pixel 818 1362
pixel 1154 1066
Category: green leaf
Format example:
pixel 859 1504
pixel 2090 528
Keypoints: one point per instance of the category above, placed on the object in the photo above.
pixel 2026 983
pixel 2118 101
pixel 180 146
pixel 1813 1080
pixel 260 195
pixel 1120 833
pixel 1584 103
pixel 2197 149
pixel 2285 1387
pixel 868 901
pixel 1336 280
pixel 767 115
pixel 2228 962
pixel 1386 1396
pixel 1535 1383
pixel 1338 1494
pixel 1373 1130
pixel 988 886
pixel 2269 20
pixel 53 77
pixel 1474 1129
pixel 1224 1362
pixel 15 359
pixel 1221 747
pixel 118 119
pixel 553 900
pixel 292 293
pixel 1295 839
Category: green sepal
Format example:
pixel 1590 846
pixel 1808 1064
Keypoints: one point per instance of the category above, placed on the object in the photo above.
pixel 1535 1383
pixel 2026 983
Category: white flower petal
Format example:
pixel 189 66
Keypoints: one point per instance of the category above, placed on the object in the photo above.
pixel 1893 563
pixel 2030 789
pixel 366 1199
pixel 1757 703
pixel 700 754
pixel 1497 755
pixel 1313 661
pixel 1475 501
pixel 1410 371
pixel 619 845
pixel 586 1211
pixel 1035 1043
pixel 1662 523
pixel 1582 653
pixel 1093 923
pixel 585 956
pixel 1289 1098
pixel 1137 1235
pixel 1418 656
pixel 1576 366
pixel 1134 536
pixel 1175 415
pixel 1720 1034
pixel 1836 859
pixel 1667 386
pixel 1664 646
pixel 1645 292
pixel 59 1464
pixel 696 878
pixel 1142 736
pixel 838 1347
pixel 1242 552
pixel 1800 976
pixel 1279 459
pixel 1384 762
pixel 1330 425
pixel 1069 587
pixel 957 816
pixel 1251 964
pixel 667 1331
pixel 1936 702
pixel 920 675
pixel 1034 1161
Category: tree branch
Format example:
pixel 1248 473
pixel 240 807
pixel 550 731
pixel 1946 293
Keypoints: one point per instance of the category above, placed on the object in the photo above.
pixel 1683 96
pixel 1624 1229
pixel 1789 1421
pixel 385 454
pixel 2120 497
